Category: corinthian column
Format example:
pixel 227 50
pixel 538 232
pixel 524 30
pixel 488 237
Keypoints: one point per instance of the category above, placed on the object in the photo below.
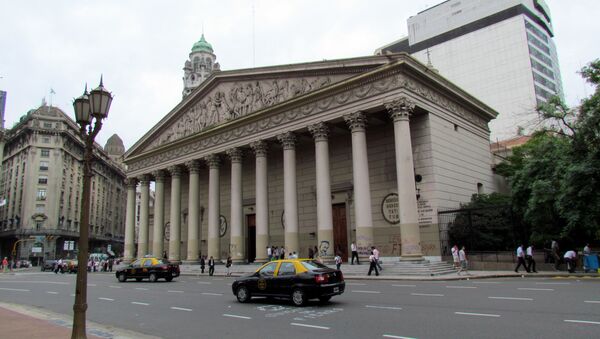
pixel 129 253
pixel 324 214
pixel 158 234
pixel 236 244
pixel 175 214
pixel 193 211
pixel 410 234
pixel 144 206
pixel 362 189
pixel 288 140
pixel 262 201
pixel 214 246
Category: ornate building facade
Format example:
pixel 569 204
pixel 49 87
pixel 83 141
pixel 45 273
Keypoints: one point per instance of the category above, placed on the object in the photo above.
pixel 41 183
pixel 201 64
pixel 322 154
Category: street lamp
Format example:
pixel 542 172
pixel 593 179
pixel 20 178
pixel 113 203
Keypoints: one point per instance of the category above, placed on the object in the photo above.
pixel 90 110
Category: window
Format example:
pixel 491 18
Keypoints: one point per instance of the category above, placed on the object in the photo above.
pixel 42 179
pixel 479 188
pixel 312 265
pixel 46 140
pixel 137 263
pixel 45 152
pixel 41 194
pixel 268 270
pixel 47 125
pixel 286 268
pixel 39 224
pixel 43 165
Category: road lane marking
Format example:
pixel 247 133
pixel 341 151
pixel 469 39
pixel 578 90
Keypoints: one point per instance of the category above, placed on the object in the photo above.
pixel 92 285
pixel 14 289
pixel 139 303
pixel 204 282
pixel 592 301
pixel 396 336
pixel 173 291
pixel 486 282
pixel 115 286
pixel 355 284
pixel 583 322
pixel 141 288
pixel 35 282
pixel 208 293
pixel 511 298
pixel 182 309
pixel 478 314
pixel 428 294
pixel 107 299
pixel 236 316
pixel 404 285
pixel 360 291
pixel 51 292
pixel 461 286
pixel 384 307
pixel 311 326
pixel 534 289
pixel 553 283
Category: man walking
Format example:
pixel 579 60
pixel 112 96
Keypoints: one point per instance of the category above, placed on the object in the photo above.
pixel 464 264
pixel 530 259
pixel 376 255
pixel 270 253
pixel 211 266
pixel 354 254
pixel 372 265
pixel 521 259
pixel 455 259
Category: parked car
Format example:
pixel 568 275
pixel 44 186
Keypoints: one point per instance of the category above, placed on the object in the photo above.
pixel 150 268
pixel 295 279
pixel 48 265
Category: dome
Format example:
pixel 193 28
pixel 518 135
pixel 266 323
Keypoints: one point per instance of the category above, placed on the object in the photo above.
pixel 202 46
pixel 114 146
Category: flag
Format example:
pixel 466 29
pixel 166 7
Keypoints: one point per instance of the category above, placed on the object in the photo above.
pixel 52 91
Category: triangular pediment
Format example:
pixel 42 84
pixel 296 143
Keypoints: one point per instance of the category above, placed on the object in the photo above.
pixel 227 96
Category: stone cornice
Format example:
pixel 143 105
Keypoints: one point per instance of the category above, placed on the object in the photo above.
pixel 235 154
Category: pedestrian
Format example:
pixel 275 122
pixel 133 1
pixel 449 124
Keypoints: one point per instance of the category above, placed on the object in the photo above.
pixel 455 259
pixel 521 259
pixel 464 263
pixel 530 259
pixel 111 262
pixel 4 264
pixel 338 261
pixel 211 266
pixel 311 253
pixel 586 257
pixel 202 263
pixel 275 253
pixel 376 254
pixel 228 265
pixel 165 255
pixel 571 260
pixel 282 253
pixel 372 265
pixel 269 253
pixel 554 250
pixel 354 250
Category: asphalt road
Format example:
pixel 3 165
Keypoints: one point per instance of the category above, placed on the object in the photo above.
pixel 204 307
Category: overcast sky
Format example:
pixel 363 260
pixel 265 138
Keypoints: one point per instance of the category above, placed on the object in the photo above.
pixel 141 46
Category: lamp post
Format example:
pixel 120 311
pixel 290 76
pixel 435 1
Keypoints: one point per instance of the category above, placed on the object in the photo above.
pixel 90 110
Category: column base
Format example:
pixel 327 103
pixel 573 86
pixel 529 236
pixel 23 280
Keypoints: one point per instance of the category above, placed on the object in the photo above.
pixel 412 257
pixel 239 261
pixel 191 262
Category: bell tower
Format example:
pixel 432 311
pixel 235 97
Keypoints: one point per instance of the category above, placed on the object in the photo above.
pixel 201 64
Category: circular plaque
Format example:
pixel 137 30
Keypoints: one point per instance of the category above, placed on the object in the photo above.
pixel 222 226
pixel 389 208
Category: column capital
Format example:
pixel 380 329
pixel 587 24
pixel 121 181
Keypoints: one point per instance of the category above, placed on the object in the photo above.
pixel 144 179
pixel 235 154
pixel 213 161
pixel 160 175
pixel 259 148
pixel 288 140
pixel 400 108
pixel 319 131
pixel 193 166
pixel 357 121
pixel 132 183
pixel 175 170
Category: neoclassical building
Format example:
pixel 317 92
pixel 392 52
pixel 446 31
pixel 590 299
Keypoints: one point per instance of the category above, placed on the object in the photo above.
pixel 322 154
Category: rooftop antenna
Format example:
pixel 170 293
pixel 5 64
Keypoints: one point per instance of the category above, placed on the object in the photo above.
pixel 429 64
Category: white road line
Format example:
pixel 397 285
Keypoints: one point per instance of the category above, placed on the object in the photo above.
pixel 92 285
pixel 428 294
pixel 51 292
pixel 535 289
pixel 36 282
pixel 141 288
pixel 14 289
pixel 236 316
pixel 311 326
pixel 208 293
pixel 115 286
pixel 486 282
pixel 396 336
pixel 479 314
pixel 139 303
pixel 107 299
pixel 553 283
pixel 511 298
pixel 592 301
pixel 204 282
pixel 583 322
pixel 361 291
pixel 182 309
pixel 384 307
pixel 461 286
pixel 173 291
pixel 355 284
pixel 404 285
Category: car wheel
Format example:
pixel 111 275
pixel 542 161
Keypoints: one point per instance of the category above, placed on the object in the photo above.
pixel 242 294
pixel 153 277
pixel 299 297
pixel 169 279
pixel 121 277
pixel 138 279
pixel 325 299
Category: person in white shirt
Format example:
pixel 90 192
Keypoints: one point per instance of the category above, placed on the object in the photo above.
pixel 571 260
pixel 455 257
pixel 338 261
pixel 372 265
pixel 521 259
pixel 269 253
pixel 354 254
pixel 586 256
pixel 530 259
pixel 376 255
pixel 462 256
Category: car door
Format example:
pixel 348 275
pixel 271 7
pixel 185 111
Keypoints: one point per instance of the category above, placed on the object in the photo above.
pixel 147 267
pixel 134 270
pixel 284 281
pixel 265 280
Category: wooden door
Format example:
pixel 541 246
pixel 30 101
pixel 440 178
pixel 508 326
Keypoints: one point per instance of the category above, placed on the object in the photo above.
pixel 251 245
pixel 340 230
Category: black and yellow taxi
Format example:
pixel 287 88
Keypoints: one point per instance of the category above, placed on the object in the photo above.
pixel 150 268
pixel 295 279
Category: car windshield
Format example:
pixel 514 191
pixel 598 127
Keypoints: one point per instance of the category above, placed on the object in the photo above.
pixel 312 265
pixel 163 261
